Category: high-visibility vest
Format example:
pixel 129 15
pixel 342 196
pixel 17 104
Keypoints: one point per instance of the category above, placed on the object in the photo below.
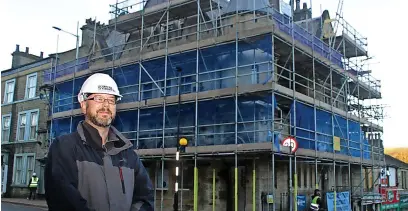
pixel 34 182
pixel 314 205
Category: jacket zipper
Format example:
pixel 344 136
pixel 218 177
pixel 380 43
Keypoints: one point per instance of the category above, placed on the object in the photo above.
pixel 121 180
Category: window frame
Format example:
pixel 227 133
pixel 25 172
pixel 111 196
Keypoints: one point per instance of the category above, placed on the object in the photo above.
pixel 2 125
pixel 6 90
pixel 24 169
pixel 27 94
pixel 27 130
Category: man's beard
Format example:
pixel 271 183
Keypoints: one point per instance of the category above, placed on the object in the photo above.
pixel 101 122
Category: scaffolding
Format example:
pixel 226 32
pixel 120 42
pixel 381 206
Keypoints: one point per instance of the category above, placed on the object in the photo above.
pixel 250 77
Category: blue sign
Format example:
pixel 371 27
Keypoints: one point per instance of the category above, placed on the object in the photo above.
pixel 342 201
pixel 301 203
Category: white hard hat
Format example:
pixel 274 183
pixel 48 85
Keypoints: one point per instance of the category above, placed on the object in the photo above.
pixel 34 174
pixel 99 83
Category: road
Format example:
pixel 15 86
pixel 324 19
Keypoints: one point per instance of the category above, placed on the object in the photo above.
pixel 15 207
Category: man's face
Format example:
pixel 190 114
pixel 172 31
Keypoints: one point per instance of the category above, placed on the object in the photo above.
pixel 99 110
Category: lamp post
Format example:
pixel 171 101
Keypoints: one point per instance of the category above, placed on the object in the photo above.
pixel 181 144
pixel 77 41
pixel 76 62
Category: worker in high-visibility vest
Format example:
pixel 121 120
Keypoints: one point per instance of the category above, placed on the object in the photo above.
pixel 32 186
pixel 316 203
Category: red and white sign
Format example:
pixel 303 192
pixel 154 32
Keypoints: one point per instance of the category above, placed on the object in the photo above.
pixel 389 195
pixel 290 142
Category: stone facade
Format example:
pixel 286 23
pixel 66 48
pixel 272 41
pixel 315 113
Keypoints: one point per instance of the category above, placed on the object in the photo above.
pixel 30 151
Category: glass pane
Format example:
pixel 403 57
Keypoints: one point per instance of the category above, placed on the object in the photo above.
pixel 34 117
pixel 31 92
pixel 6 124
pixel 5 135
pixel 22 119
pixel 32 81
pixel 30 167
pixel 30 162
pixel 21 134
pixel 9 98
pixel 10 87
pixel 33 132
pixel 19 167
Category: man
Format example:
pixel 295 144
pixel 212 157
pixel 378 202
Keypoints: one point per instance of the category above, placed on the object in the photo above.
pixel 316 203
pixel 96 168
pixel 32 186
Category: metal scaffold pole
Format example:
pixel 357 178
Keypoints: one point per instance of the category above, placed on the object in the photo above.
pixel 273 115
pixel 195 198
pixel 293 187
pixel 53 77
pixel 314 107
pixel 166 70
pixel 176 190
pixel 236 110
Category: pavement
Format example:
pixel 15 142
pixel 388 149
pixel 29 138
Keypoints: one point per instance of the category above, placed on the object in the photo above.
pixel 42 204
pixel 17 207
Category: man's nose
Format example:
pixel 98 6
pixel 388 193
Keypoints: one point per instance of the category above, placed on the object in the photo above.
pixel 105 103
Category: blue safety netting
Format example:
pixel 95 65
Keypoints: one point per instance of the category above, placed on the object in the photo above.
pixel 62 126
pixel 352 139
pixel 217 68
pixel 215 118
pixel 306 38
pixel 65 69
pixel 342 201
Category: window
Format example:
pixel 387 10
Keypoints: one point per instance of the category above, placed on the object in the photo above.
pixel 299 176
pixel 312 176
pixel 27 125
pixel 255 74
pixel 9 91
pixel 31 85
pixel 5 128
pixel 305 175
pixel 23 168
pixel 162 180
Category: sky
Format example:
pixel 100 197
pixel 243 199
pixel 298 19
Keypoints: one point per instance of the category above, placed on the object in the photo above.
pixel 29 24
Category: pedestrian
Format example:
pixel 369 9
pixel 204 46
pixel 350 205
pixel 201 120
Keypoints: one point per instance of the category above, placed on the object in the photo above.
pixel 32 186
pixel 96 168
pixel 316 203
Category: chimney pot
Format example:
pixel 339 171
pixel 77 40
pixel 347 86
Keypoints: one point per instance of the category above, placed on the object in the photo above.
pixel 304 5
pixel 297 5
pixel 17 48
pixel 27 50
pixel 41 54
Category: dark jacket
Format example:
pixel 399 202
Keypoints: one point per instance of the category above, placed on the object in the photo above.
pixel 83 175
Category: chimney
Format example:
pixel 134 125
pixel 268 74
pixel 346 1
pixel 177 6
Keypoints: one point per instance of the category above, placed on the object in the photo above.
pixel 304 5
pixel 41 54
pixel 297 5
pixel 21 58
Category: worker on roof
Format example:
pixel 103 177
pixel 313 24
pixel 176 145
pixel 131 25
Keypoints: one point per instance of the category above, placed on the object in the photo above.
pixel 316 203
pixel 95 167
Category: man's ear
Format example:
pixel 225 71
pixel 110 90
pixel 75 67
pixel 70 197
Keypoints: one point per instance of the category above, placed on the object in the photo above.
pixel 83 106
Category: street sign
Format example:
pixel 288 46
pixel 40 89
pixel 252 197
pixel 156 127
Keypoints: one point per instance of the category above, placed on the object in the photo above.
pixel 290 142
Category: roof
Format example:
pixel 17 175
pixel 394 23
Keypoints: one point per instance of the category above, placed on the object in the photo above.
pixel 25 67
pixel 394 162
pixel 240 5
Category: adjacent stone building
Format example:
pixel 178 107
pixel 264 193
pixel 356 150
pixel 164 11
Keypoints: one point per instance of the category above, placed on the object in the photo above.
pixel 23 121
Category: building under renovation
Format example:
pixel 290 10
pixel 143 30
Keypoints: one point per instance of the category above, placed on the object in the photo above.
pixel 236 79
